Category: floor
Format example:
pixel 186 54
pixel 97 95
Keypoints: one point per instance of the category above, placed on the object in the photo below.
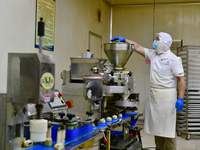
pixel 182 143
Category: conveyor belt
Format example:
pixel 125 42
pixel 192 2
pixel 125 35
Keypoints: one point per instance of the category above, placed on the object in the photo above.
pixel 95 134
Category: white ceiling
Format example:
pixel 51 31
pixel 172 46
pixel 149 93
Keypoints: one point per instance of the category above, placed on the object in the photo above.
pixel 143 2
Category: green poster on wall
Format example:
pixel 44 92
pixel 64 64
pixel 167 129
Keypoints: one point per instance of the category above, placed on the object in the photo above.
pixel 46 10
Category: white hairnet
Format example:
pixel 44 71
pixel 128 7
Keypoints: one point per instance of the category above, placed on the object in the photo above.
pixel 167 39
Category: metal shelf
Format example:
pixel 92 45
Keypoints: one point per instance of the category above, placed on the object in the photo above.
pixel 188 120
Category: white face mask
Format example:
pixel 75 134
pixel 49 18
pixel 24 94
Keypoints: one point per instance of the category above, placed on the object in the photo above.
pixel 162 48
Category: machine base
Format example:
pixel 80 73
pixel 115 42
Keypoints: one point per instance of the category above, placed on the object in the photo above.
pixel 120 144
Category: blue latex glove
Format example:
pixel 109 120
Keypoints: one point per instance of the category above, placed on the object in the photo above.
pixel 179 104
pixel 121 39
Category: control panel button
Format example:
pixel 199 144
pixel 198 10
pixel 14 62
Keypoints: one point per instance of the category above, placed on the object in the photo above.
pixel 69 104
pixel 60 94
pixel 58 100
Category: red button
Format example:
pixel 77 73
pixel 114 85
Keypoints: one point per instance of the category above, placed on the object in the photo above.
pixel 69 104
pixel 60 94
pixel 131 134
pixel 105 140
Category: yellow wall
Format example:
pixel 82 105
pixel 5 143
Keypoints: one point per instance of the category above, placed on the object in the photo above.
pixel 73 21
pixel 181 21
pixel 140 23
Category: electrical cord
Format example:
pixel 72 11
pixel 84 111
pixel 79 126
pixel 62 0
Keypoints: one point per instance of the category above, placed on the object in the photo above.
pixel 87 147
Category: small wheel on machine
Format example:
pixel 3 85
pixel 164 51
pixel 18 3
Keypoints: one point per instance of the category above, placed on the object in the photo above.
pixel 178 133
pixel 188 137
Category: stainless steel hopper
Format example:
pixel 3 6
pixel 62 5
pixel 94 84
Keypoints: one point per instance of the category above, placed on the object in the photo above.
pixel 118 54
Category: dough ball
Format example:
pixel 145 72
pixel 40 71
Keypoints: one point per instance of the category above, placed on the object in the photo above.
pixel 119 115
pixel 114 117
pixel 109 119
pixel 116 41
pixel 102 121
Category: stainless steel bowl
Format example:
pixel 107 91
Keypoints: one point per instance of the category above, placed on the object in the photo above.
pixel 118 54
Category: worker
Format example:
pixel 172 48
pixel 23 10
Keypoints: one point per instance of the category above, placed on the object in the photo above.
pixel 165 70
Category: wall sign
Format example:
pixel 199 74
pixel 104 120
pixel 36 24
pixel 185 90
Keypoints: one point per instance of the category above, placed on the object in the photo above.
pixel 46 10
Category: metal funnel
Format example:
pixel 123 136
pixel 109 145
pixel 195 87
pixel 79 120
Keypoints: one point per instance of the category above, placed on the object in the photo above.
pixel 118 54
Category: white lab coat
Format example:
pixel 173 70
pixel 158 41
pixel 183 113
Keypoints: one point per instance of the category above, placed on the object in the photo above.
pixel 160 113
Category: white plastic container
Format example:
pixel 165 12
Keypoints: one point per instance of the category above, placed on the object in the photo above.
pixel 38 130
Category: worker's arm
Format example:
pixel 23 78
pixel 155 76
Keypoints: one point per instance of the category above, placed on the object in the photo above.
pixel 138 48
pixel 181 86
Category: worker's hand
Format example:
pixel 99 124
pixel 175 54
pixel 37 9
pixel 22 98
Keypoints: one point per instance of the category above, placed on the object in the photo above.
pixel 179 104
pixel 121 39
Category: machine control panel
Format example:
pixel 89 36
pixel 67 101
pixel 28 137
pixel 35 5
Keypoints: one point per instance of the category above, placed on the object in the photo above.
pixel 58 100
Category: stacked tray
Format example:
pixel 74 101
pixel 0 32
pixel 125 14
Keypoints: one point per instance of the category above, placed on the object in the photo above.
pixel 188 120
